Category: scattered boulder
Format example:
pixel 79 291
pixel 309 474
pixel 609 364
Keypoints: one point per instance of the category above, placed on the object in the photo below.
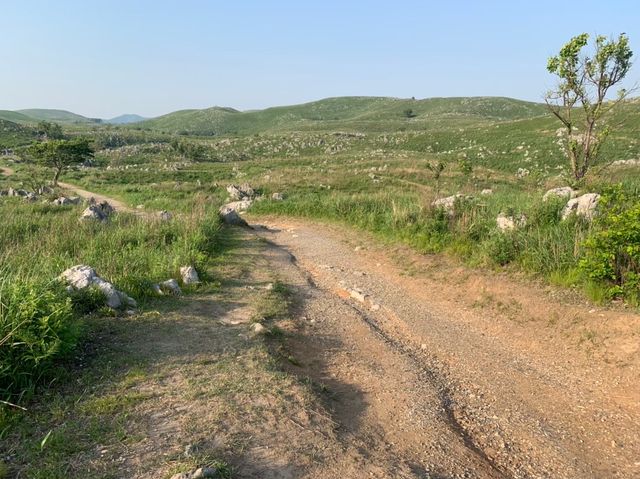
pixel 241 205
pixel 510 223
pixel 231 217
pixel 156 289
pixel 31 197
pixel 522 173
pixel 632 162
pixel 486 192
pixel 164 215
pixel 584 206
pixel 97 211
pixel 243 191
pixel 257 328
pixel 562 192
pixel 277 197
pixel 448 204
pixel 82 276
pixel 200 473
pixel 170 286
pixel 189 275
pixel 62 201
pixel 93 212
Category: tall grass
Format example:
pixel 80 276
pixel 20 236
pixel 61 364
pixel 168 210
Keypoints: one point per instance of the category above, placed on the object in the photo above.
pixel 544 246
pixel 39 319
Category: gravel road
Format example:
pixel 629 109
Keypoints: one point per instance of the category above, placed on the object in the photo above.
pixel 427 386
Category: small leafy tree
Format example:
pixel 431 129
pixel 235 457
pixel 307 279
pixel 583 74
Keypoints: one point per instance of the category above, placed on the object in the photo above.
pixel 59 154
pixel 580 97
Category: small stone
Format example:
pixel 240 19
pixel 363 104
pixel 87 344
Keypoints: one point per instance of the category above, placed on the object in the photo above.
pixel 358 295
pixel 258 328
pixel 189 275
pixel 170 286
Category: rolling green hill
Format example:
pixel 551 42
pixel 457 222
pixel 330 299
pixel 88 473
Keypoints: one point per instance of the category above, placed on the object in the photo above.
pixel 353 113
pixel 15 117
pixel 58 116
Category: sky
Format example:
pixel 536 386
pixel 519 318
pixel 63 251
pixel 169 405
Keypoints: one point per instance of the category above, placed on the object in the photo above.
pixel 105 58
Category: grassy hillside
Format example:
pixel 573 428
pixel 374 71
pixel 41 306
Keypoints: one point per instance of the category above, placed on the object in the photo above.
pixel 59 116
pixel 375 114
pixel 15 117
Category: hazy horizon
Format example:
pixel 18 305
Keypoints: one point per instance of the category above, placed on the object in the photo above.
pixel 152 58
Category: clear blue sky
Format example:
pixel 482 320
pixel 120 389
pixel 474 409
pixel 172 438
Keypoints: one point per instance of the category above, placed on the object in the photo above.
pixel 104 58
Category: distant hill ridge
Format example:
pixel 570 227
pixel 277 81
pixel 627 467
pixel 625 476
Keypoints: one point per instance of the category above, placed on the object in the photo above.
pixel 125 119
pixel 34 115
pixel 358 113
pixel 366 113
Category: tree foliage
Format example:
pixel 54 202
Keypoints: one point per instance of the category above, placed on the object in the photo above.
pixel 50 131
pixel 580 97
pixel 59 154
pixel 613 250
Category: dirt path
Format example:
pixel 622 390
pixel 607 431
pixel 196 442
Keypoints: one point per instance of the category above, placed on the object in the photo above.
pixel 117 204
pixel 458 374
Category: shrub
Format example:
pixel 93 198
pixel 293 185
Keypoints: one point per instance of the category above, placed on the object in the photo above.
pixel 37 325
pixel 500 248
pixel 612 251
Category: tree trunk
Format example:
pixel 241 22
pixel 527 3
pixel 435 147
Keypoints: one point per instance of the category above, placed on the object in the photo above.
pixel 56 176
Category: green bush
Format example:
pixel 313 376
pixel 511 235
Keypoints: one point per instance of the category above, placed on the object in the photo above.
pixel 500 248
pixel 612 251
pixel 37 326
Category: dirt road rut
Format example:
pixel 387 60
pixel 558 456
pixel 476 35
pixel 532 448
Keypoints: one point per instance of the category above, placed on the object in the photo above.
pixel 426 386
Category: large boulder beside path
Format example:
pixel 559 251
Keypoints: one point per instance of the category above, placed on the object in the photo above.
pixel 230 216
pixel 82 276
